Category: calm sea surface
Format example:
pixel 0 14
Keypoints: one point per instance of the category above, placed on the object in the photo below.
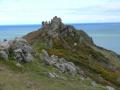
pixel 106 35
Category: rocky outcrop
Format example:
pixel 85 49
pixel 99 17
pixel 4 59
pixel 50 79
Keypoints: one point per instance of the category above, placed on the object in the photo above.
pixel 18 49
pixel 60 63
pixel 56 30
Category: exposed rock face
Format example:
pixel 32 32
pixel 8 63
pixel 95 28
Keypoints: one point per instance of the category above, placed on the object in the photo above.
pixel 55 30
pixel 18 48
pixel 59 63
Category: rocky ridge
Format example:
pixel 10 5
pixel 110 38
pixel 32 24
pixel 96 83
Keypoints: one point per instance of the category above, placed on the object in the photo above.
pixel 64 41
pixel 69 50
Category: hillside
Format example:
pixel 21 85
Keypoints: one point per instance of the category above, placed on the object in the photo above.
pixel 57 57
pixel 76 46
pixel 22 69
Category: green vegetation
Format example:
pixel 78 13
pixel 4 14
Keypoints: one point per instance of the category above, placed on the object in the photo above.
pixel 94 62
pixel 75 46
pixel 33 76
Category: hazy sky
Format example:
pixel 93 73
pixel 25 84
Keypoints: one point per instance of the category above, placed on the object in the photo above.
pixel 71 11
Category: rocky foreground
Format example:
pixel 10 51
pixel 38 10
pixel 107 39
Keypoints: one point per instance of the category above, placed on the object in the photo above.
pixel 17 49
pixel 68 50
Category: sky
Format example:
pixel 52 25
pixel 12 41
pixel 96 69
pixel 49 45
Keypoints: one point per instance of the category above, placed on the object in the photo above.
pixel 71 11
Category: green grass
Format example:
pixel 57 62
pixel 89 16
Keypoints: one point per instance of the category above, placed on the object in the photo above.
pixel 33 77
pixel 92 65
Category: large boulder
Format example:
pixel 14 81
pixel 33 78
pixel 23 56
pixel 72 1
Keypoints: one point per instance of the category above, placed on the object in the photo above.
pixel 22 50
pixel 17 48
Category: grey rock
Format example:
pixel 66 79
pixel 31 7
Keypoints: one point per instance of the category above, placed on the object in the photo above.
pixel 45 57
pixel 3 55
pixel 62 60
pixel 60 67
pixel 20 48
pixel 28 58
pixel 22 51
pixel 27 49
pixel 19 65
pixel 71 68
pixel 93 83
pixel 19 43
pixel 19 39
pixel 52 75
pixel 5 44
pixel 60 63
pixel 19 56
pixel 54 58
pixel 110 88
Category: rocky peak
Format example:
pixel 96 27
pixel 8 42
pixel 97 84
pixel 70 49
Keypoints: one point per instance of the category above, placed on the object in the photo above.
pixel 55 23
pixel 56 20
pixel 55 30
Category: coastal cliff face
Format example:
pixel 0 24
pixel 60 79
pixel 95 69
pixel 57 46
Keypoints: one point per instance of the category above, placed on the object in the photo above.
pixel 64 41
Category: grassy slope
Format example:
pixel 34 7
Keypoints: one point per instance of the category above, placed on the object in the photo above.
pixel 95 66
pixel 33 77
pixel 94 62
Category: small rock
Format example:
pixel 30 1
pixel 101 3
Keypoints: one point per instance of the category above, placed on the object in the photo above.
pixel 19 65
pixel 75 44
pixel 110 88
pixel 93 83
pixel 82 78
pixel 51 75
pixel 29 84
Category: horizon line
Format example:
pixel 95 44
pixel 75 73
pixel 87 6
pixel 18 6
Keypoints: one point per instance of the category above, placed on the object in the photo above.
pixel 64 23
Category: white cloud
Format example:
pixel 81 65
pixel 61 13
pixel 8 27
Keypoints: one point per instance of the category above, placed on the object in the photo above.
pixel 35 11
pixel 110 6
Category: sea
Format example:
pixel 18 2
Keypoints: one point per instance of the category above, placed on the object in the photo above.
pixel 106 35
